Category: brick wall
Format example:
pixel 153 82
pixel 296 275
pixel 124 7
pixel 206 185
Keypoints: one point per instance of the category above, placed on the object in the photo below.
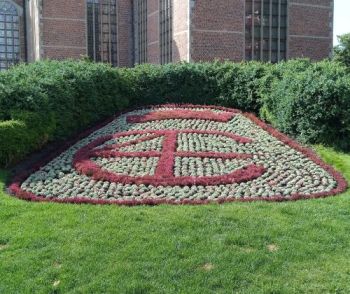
pixel 217 30
pixel 310 28
pixel 63 29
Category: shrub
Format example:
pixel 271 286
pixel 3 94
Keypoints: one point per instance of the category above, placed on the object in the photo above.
pixel 273 76
pixel 307 100
pixel 73 94
pixel 25 132
pixel 342 51
pixel 238 85
pixel 312 104
pixel 173 83
pixel 77 93
pixel 227 83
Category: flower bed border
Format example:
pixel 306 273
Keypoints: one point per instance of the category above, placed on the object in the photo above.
pixel 15 187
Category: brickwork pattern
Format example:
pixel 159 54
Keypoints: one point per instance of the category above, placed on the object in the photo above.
pixel 310 29
pixel 215 30
pixel 63 25
pixel 223 36
pixel 209 46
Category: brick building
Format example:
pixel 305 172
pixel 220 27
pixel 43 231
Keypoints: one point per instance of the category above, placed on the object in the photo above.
pixel 126 32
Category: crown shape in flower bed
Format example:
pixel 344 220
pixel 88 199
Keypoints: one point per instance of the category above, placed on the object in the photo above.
pixel 180 154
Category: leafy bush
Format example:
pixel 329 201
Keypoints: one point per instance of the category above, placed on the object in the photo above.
pixel 238 85
pixel 306 100
pixel 70 93
pixel 25 132
pixel 312 104
pixel 342 51
pixel 273 76
pixel 228 84
pixel 174 83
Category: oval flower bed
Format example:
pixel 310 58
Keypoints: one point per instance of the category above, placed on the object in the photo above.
pixel 180 154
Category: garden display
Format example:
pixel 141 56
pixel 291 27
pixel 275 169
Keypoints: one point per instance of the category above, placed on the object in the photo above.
pixel 180 154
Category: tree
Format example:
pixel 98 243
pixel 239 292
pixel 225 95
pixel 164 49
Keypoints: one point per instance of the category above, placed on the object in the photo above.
pixel 342 51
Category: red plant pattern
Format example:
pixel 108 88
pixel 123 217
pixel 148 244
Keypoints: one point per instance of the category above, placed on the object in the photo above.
pixel 181 114
pixel 164 175
pixel 15 186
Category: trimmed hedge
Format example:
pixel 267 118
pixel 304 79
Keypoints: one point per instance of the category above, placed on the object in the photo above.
pixel 27 131
pixel 310 101
pixel 65 96
pixel 228 84
pixel 175 83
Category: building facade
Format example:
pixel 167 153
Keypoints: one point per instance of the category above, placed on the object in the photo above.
pixel 128 32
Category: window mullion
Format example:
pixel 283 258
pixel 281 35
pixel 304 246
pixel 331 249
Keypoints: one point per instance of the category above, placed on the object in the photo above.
pixel 13 41
pixel 94 29
pixel 142 37
pixel 109 33
pixel 262 30
pixel 270 32
pixel 101 32
pixel 139 9
pixel 279 32
pixel 6 39
pixel 253 30
pixel 170 31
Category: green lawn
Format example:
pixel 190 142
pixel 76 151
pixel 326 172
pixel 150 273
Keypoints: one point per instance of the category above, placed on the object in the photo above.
pixel 300 247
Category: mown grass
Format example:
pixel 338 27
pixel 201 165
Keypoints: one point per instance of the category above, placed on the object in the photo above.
pixel 299 247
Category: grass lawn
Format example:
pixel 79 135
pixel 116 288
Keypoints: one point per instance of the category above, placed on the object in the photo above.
pixel 299 247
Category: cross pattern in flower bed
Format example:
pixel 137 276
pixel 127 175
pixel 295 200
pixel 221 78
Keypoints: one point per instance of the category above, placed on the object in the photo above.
pixel 181 154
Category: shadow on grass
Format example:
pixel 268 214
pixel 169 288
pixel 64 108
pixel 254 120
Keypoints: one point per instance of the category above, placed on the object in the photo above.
pixel 3 178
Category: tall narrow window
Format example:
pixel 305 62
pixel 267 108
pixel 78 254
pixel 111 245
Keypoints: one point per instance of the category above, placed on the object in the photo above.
pixel 141 31
pixel 102 30
pixel 9 35
pixel 266 30
pixel 166 31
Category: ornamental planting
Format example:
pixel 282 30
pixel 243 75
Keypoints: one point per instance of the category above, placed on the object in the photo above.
pixel 181 154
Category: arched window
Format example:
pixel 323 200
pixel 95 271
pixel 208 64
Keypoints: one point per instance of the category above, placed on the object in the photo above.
pixel 102 30
pixel 9 35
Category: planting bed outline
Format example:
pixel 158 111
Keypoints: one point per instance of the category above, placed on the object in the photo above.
pixel 208 113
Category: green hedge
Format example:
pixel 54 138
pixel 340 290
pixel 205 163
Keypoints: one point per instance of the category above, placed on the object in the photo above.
pixel 309 101
pixel 24 133
pixel 68 96
pixel 228 84
pixel 172 83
